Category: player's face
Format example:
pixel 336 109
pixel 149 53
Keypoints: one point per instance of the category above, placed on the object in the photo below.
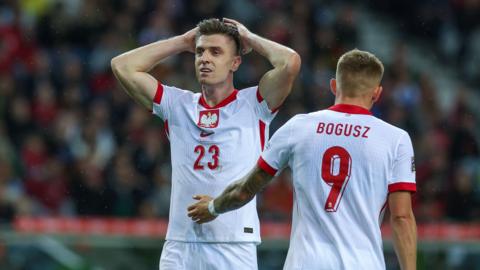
pixel 215 59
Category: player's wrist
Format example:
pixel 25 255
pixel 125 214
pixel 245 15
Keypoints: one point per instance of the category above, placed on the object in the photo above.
pixel 186 42
pixel 211 208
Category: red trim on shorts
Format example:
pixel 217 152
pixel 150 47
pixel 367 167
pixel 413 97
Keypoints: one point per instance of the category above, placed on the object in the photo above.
pixel 159 94
pixel 348 108
pixel 222 103
pixel 262 125
pixel 402 186
pixel 266 167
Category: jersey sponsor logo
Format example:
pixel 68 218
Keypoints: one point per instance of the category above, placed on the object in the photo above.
pixel 340 129
pixel 209 118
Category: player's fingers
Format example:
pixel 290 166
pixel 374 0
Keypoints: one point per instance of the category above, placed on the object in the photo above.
pixel 201 220
pixel 232 25
pixel 192 213
pixel 197 197
pixel 230 20
pixel 191 207
pixel 201 197
pixel 205 220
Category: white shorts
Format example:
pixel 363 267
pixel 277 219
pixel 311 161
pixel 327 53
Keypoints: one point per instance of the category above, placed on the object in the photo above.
pixel 208 256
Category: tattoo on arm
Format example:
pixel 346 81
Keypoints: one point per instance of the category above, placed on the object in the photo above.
pixel 242 191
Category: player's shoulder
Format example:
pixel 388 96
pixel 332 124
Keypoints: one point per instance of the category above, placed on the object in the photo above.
pixel 304 118
pixel 247 92
pixel 371 120
pixel 178 94
pixel 321 114
pixel 299 119
pixel 389 128
pixel 176 90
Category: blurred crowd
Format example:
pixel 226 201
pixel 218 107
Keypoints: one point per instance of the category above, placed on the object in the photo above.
pixel 72 143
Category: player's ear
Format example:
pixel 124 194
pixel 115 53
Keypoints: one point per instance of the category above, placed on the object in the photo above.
pixel 333 86
pixel 237 60
pixel 377 93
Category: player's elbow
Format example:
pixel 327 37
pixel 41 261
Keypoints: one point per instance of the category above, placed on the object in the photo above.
pixel 119 66
pixel 116 64
pixel 294 63
pixel 289 65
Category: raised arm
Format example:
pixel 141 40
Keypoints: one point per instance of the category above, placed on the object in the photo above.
pixel 131 68
pixel 277 83
pixel 404 229
pixel 233 197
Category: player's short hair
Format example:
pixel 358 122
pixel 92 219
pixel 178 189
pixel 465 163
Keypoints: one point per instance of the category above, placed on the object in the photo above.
pixel 215 26
pixel 358 71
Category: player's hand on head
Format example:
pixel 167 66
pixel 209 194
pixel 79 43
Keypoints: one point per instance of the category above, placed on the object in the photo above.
pixel 243 32
pixel 198 211
pixel 189 38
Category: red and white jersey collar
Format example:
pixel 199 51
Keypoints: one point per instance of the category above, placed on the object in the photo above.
pixel 225 102
pixel 351 109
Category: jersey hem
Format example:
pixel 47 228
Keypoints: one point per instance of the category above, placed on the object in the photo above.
pixel 257 242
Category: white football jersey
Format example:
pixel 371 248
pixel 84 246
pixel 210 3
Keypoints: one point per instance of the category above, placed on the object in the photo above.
pixel 210 148
pixel 344 163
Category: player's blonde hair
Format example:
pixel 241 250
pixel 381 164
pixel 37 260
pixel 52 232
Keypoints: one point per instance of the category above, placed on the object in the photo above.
pixel 358 72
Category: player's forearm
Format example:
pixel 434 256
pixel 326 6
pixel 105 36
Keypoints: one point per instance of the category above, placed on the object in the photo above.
pixel 405 240
pixel 144 58
pixel 279 56
pixel 232 198
pixel 242 191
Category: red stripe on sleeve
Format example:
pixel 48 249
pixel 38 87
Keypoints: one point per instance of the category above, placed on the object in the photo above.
pixel 402 186
pixel 266 167
pixel 261 125
pixel 259 97
pixel 158 95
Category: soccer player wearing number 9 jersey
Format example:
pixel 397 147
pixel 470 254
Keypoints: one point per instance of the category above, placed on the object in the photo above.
pixel 346 165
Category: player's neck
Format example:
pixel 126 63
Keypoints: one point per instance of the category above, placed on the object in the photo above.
pixel 214 94
pixel 361 102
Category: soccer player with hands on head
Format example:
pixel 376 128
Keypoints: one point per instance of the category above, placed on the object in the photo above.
pixel 215 135
pixel 346 166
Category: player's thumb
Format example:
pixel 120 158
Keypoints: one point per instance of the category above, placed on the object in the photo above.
pixel 197 197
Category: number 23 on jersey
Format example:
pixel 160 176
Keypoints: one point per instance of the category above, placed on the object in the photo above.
pixel 211 159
